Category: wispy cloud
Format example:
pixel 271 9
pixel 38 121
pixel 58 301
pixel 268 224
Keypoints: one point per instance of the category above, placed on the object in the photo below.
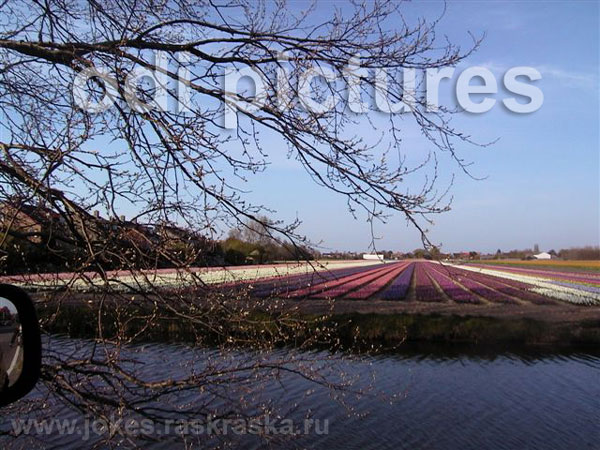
pixel 572 78
pixel 569 78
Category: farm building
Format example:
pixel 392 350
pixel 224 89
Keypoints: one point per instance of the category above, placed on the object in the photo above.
pixel 543 255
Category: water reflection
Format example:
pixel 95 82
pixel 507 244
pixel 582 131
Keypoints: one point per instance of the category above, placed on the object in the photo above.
pixel 442 399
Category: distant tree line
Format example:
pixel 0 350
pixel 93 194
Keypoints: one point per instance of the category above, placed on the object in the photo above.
pixel 574 253
pixel 585 253
pixel 253 243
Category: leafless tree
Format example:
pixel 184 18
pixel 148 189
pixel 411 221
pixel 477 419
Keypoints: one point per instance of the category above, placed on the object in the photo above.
pixel 180 167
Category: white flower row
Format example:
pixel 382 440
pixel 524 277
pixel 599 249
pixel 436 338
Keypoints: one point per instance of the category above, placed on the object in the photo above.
pixel 182 278
pixel 543 286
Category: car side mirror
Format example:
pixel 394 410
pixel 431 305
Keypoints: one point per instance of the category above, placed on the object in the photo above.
pixel 20 344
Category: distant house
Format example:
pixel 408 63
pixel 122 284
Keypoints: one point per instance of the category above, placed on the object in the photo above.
pixel 254 257
pixel 460 255
pixel 543 255
pixel 34 223
pixel 373 256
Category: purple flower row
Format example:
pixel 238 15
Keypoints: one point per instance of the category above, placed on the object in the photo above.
pixel 562 276
pixel 337 287
pixel 285 284
pixel 581 287
pixel 425 289
pixel 476 286
pixel 398 289
pixel 453 290
pixel 510 287
pixel 356 282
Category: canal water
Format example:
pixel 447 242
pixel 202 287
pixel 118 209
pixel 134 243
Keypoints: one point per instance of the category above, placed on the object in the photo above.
pixel 417 398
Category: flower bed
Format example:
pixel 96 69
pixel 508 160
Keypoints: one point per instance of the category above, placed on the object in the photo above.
pixel 544 286
pixel 583 287
pixel 342 289
pixel 378 284
pixel 588 278
pixel 319 287
pixel 452 289
pixel 479 288
pixel 284 285
pixel 509 287
pixel 398 289
pixel 425 289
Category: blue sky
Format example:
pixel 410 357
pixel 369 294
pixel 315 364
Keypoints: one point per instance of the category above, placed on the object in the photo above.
pixel 542 182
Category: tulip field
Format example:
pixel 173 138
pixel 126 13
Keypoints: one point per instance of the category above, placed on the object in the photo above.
pixel 410 281
pixel 427 281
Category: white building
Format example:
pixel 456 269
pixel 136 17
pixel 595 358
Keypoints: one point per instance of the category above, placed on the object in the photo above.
pixel 543 255
pixel 373 256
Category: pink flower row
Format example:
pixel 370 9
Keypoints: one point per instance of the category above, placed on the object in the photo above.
pixel 329 285
pixel 375 286
pixel 343 289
